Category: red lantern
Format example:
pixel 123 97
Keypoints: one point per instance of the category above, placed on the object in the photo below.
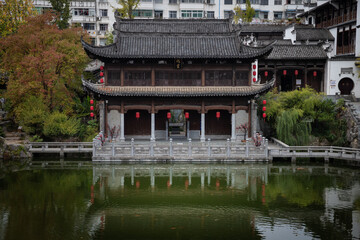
pixel 101 74
pixel 264 115
pixel 254 66
pixel 284 72
pixel 101 80
pixel 296 72
pixel 91 114
pixel 187 115
pixel 137 115
pixel 168 115
pixel 266 73
pixel 315 73
pixel 264 102
pixel 264 108
pixel 91 108
pixel 91 102
pixel 254 73
pixel 101 68
pixel 217 115
pixel 254 79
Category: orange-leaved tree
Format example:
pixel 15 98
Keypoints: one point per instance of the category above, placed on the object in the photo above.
pixel 44 62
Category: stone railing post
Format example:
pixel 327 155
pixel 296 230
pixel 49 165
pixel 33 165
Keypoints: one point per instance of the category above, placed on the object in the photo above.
pixel 94 148
pixel 227 147
pixel 152 148
pixel 247 148
pixel 189 148
pixel 170 148
pixel 113 148
pixel 266 148
pixel 132 147
pixel 209 148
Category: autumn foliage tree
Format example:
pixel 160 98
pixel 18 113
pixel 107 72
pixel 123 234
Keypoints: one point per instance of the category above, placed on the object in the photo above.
pixel 45 63
pixel 13 14
pixel 127 8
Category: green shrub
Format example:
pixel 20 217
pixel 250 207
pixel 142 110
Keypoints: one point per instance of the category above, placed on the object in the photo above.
pixel 31 115
pixel 58 125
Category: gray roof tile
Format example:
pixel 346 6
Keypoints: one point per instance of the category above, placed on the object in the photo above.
pixel 313 34
pixel 175 91
pixel 301 52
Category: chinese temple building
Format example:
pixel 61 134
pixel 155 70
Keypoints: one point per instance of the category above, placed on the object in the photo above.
pixel 199 68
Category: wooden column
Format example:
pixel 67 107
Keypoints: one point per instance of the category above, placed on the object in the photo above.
pixel 305 75
pixel 233 78
pixel 122 77
pixel 249 120
pixel 202 76
pixel 152 77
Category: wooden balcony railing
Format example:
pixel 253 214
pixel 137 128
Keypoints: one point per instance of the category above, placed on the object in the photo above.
pixel 337 20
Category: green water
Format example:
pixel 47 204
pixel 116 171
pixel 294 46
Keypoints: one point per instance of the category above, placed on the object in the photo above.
pixel 180 201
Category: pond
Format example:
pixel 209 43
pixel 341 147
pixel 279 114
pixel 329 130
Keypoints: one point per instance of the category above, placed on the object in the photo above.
pixel 180 201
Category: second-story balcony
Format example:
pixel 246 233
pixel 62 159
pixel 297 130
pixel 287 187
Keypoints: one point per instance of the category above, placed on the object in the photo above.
pixel 351 16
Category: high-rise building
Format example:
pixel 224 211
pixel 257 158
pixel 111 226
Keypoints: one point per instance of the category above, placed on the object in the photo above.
pixel 96 16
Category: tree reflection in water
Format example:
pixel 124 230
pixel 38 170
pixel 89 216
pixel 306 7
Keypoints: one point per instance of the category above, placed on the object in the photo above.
pixel 181 201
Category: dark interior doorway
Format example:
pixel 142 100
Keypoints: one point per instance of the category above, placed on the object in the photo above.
pixel 345 86
pixel 286 83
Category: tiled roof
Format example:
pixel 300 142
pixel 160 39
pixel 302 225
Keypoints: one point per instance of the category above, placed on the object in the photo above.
pixel 191 91
pixel 255 28
pixel 176 46
pixel 301 52
pixel 194 26
pixel 313 34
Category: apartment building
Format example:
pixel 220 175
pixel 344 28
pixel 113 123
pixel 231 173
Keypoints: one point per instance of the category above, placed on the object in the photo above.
pixel 342 19
pixel 96 16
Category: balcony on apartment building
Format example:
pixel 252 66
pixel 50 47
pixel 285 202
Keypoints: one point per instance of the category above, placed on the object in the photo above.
pixel 329 21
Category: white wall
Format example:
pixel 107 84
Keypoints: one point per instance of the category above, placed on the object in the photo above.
pixel 335 75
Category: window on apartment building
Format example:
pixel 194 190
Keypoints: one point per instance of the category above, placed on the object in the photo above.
pixel 210 1
pixel 192 1
pixel 103 12
pixel 103 27
pixel 89 26
pixel 158 1
pixel 264 2
pixel 84 12
pixel 277 2
pixel 298 2
pixel 290 14
pixel 102 42
pixel 227 14
pixel 240 1
pixel 172 14
pixel 228 2
pixel 146 0
pixel 191 14
pixel 255 1
pixel 278 15
pixel 265 15
pixel 142 13
pixel 158 14
pixel 257 14
pixel 172 1
pixel 210 14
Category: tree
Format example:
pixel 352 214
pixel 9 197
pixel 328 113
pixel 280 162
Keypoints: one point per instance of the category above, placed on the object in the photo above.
pixel 249 13
pixel 43 61
pixel 13 14
pixel 62 9
pixel 128 7
pixel 298 116
pixel 238 14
